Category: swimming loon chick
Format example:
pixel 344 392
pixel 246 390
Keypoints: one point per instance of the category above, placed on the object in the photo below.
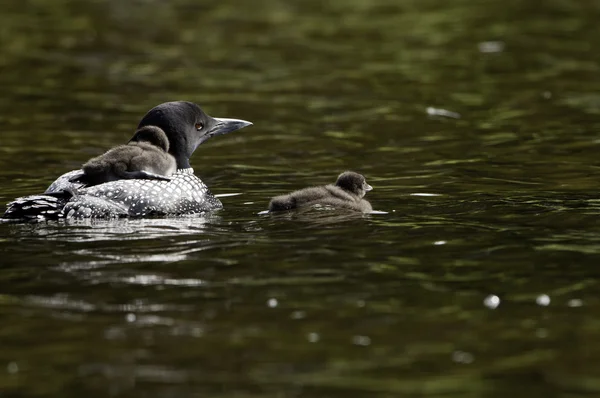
pixel 186 127
pixel 144 157
pixel 347 192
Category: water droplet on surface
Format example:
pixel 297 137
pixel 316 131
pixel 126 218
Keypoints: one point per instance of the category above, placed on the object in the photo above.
pixel 491 46
pixel 361 340
pixel 462 357
pixel 431 111
pixel 298 315
pixel 492 301
pixel 575 303
pixel 313 337
pixel 12 368
pixel 543 300
pixel 272 302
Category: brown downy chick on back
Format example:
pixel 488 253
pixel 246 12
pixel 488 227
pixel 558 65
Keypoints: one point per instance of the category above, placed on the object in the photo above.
pixel 347 192
pixel 146 156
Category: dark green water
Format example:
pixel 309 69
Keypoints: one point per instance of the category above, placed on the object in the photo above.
pixel 480 281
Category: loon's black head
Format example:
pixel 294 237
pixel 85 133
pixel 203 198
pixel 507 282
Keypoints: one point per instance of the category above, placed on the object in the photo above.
pixel 152 134
pixel 354 183
pixel 187 126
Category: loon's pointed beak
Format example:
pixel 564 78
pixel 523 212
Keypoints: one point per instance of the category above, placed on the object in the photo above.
pixel 224 126
pixel 368 188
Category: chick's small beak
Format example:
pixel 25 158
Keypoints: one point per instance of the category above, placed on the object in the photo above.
pixel 368 187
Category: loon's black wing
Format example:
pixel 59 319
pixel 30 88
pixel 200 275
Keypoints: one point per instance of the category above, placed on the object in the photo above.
pixel 46 206
pixel 67 181
pixel 38 207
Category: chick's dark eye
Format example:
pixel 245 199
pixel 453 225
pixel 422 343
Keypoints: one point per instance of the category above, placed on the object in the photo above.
pixel 199 126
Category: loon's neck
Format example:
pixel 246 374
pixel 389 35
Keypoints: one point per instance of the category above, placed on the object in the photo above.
pixel 183 162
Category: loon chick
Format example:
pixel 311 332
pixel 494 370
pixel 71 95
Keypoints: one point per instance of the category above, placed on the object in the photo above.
pixel 186 127
pixel 144 157
pixel 347 192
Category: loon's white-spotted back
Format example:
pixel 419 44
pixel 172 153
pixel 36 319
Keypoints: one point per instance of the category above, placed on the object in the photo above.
pixel 185 193
pixel 186 127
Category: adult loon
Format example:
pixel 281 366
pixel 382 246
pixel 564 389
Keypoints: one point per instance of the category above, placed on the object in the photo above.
pixel 347 192
pixel 144 157
pixel 186 127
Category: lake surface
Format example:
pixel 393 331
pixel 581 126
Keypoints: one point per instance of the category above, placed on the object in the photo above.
pixel 479 280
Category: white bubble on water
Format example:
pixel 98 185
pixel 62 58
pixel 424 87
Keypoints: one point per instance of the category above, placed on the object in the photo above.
pixel 543 300
pixel 492 301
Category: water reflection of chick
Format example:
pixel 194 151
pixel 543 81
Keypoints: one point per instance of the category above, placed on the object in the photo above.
pixel 347 192
pixel 144 157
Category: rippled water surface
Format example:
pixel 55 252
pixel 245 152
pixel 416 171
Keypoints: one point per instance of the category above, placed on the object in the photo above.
pixel 476 122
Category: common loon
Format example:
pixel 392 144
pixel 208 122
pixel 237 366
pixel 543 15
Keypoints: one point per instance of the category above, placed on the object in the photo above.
pixel 186 127
pixel 347 192
pixel 144 157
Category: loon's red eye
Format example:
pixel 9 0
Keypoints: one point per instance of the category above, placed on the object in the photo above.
pixel 199 126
